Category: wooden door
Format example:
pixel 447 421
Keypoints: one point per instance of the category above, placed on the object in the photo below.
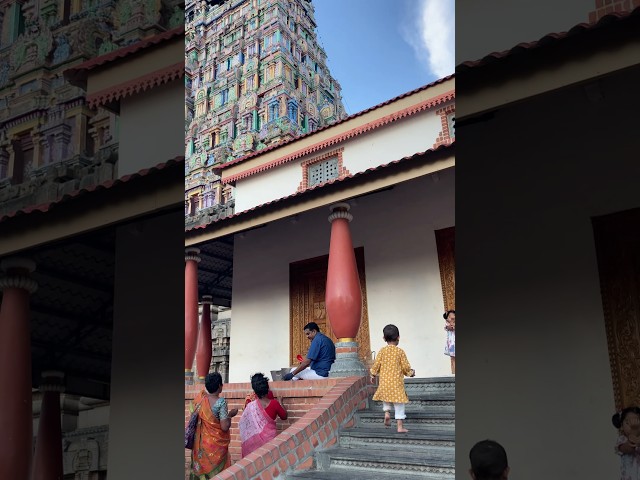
pixel 617 238
pixel 308 281
pixel 446 245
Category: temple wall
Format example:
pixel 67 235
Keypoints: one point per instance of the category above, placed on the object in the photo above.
pixel 534 369
pixel 396 229
pixel 151 125
pixel 391 142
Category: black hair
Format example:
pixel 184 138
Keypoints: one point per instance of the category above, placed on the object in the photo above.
pixel 488 460
pixel 445 315
pixel 260 384
pixel 312 326
pixel 213 382
pixel 618 418
pixel 391 333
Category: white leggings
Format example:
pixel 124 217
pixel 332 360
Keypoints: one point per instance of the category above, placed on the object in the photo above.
pixel 307 374
pixel 398 410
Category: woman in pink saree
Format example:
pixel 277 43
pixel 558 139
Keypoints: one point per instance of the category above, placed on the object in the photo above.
pixel 258 422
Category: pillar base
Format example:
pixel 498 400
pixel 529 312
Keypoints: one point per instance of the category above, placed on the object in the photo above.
pixel 188 377
pixel 347 363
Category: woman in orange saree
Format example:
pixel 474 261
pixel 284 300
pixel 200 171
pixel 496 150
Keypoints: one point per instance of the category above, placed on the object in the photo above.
pixel 210 454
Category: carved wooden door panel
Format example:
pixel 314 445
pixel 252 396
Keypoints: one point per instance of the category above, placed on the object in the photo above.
pixel 617 238
pixel 308 281
pixel 446 245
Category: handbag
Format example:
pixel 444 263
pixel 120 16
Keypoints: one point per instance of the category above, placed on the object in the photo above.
pixel 190 430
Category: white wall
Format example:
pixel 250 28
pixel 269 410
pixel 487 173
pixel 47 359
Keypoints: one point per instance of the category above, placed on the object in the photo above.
pixel 151 127
pixel 396 229
pixel 399 139
pixel 147 357
pixel 533 366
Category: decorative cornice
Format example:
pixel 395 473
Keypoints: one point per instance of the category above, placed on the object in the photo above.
pixel 153 79
pixel 19 281
pixel 354 132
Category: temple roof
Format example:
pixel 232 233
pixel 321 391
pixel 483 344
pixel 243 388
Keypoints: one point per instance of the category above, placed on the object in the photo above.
pixel 77 74
pixel 576 33
pixel 326 127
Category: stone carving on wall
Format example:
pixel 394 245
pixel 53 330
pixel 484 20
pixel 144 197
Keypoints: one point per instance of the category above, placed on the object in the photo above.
pixel 445 243
pixel 62 50
pixel 617 237
pixel 211 47
pixel 31 48
pixel 85 452
pixel 48 46
pixel 4 72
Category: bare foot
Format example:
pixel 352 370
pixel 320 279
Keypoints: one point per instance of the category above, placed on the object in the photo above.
pixel 387 419
pixel 403 430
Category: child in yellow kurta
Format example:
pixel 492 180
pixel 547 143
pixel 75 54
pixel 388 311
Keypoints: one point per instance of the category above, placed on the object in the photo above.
pixel 392 365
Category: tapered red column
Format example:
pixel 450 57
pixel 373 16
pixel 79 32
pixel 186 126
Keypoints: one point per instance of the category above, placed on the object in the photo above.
pixel 16 437
pixel 190 310
pixel 203 354
pixel 47 462
pixel 343 296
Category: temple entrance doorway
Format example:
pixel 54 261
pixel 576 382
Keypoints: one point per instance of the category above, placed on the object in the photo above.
pixel 617 239
pixel 308 281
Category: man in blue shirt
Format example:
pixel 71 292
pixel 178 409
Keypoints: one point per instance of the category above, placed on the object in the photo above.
pixel 320 357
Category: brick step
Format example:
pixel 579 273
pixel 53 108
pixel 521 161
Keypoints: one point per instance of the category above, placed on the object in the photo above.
pixel 436 461
pixel 418 439
pixel 350 474
pixel 365 418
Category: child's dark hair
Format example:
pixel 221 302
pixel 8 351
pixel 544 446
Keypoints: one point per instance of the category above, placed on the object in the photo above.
pixel 445 315
pixel 391 333
pixel 618 418
pixel 260 385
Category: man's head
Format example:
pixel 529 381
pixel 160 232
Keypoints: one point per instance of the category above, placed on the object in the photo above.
pixel 488 461
pixel 311 329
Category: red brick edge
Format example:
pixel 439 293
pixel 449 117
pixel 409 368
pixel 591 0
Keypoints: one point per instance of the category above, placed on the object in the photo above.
pixel 293 449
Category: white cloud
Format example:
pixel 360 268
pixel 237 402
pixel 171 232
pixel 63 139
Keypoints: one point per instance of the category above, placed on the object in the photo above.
pixel 431 33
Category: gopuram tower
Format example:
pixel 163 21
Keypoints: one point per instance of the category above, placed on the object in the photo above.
pixel 255 76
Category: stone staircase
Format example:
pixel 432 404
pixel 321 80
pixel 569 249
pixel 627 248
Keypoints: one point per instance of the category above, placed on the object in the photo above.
pixel 369 451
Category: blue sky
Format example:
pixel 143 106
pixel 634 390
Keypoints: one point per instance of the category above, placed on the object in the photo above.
pixel 379 49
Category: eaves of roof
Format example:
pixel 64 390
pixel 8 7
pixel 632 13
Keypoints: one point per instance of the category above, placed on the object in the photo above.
pixel 551 40
pixel 108 185
pixel 326 127
pixel 77 74
pixel 346 179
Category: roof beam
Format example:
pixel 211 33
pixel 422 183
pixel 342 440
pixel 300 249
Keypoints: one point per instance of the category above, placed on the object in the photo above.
pixel 512 82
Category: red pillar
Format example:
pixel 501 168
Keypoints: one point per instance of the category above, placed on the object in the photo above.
pixel 190 310
pixel 16 437
pixel 203 353
pixel 343 295
pixel 47 463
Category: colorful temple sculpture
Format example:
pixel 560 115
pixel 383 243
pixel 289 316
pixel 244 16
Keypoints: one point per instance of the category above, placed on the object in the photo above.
pixel 51 142
pixel 255 76
pixel 60 152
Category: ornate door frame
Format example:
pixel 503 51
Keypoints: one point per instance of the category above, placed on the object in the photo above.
pixel 446 245
pixel 617 242
pixel 301 312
